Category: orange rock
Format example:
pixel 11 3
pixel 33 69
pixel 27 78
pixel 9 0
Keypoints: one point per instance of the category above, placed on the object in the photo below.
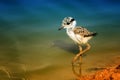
pixel 106 74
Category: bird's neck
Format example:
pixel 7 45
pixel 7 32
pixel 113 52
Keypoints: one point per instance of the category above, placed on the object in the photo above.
pixel 71 28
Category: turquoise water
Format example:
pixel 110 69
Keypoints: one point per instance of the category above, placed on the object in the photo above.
pixel 31 45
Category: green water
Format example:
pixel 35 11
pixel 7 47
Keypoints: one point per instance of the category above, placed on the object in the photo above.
pixel 32 47
pixel 47 54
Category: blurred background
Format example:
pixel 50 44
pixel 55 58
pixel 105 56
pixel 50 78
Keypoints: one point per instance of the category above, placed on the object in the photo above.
pixel 31 45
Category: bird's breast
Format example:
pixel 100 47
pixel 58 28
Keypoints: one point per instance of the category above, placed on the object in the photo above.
pixel 73 36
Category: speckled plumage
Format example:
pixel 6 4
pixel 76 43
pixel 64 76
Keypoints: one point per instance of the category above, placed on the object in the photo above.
pixel 78 34
pixel 83 32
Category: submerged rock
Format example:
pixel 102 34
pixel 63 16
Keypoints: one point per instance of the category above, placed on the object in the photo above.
pixel 105 74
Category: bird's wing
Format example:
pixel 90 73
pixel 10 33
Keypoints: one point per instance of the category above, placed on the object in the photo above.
pixel 83 32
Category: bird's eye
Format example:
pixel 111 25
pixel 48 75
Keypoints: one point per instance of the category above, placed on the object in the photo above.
pixel 68 23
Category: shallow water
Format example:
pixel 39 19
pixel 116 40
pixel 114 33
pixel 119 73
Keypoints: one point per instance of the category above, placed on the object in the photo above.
pixel 32 47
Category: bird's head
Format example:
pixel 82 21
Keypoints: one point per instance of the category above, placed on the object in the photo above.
pixel 68 22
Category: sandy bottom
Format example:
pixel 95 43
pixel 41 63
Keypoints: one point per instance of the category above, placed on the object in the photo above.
pixel 64 73
pixel 60 72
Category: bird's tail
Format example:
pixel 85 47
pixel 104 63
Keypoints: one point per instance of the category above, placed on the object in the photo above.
pixel 94 34
pixel 91 34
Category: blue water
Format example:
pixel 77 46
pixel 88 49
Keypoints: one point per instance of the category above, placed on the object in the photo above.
pixel 31 45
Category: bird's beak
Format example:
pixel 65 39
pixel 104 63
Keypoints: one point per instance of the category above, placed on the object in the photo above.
pixel 61 28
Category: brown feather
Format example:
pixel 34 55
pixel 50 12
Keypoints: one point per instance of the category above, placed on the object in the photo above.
pixel 81 31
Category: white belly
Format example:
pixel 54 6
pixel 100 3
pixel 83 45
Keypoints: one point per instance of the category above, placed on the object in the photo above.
pixel 73 36
pixel 77 38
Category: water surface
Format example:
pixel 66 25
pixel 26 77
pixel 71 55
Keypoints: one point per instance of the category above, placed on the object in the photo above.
pixel 31 45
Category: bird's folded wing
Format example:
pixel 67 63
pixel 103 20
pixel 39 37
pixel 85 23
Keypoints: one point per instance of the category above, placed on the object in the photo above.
pixel 82 31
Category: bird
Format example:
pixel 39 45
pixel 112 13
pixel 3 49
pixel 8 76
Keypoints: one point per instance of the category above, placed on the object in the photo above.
pixel 79 35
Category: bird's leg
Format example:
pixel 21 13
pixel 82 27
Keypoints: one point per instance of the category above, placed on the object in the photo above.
pixel 77 59
pixel 80 62
pixel 87 48
pixel 79 56
pixel 82 51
